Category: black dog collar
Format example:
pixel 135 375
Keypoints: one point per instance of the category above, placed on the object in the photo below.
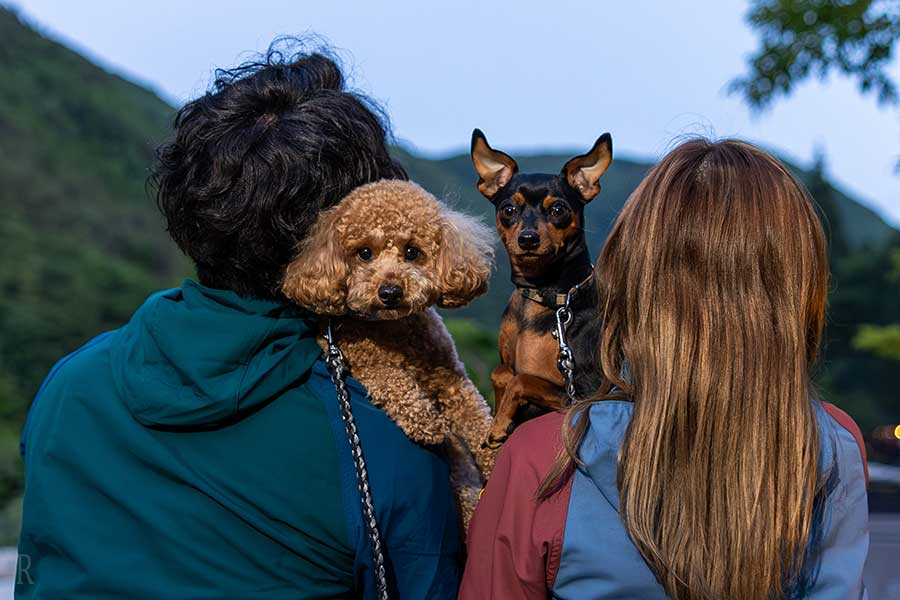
pixel 550 297
pixel 545 297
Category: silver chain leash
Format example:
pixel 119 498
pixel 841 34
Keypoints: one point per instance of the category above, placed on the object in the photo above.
pixel 566 361
pixel 334 360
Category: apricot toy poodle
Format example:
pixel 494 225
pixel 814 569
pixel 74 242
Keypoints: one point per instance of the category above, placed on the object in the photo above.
pixel 378 263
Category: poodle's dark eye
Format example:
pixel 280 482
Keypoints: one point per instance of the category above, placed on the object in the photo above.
pixel 364 253
pixel 411 253
pixel 558 209
pixel 509 210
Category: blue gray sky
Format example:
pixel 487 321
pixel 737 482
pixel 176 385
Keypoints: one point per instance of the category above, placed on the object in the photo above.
pixel 532 74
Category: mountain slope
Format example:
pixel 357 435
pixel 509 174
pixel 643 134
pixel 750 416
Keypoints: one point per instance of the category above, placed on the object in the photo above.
pixel 82 241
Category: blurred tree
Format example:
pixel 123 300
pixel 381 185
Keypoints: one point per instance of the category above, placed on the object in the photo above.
pixel 800 38
pixel 819 188
pixel 477 347
pixel 882 340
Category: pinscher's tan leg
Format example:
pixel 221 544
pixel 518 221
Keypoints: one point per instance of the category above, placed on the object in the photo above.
pixel 504 408
pixel 520 390
pixel 500 378
pixel 538 391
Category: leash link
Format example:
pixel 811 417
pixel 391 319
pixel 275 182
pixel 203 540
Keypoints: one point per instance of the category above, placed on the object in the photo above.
pixel 334 361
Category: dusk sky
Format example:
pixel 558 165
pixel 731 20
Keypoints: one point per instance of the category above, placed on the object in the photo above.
pixel 532 75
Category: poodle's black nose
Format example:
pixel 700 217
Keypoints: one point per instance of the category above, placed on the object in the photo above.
pixel 390 294
pixel 529 240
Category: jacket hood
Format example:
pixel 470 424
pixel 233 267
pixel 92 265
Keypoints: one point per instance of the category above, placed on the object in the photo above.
pixel 194 357
pixel 609 422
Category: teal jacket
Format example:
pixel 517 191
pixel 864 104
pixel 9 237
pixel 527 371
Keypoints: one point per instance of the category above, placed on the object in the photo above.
pixel 198 453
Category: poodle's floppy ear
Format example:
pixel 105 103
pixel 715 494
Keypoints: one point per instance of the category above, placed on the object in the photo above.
pixel 317 278
pixel 464 260
pixel 494 168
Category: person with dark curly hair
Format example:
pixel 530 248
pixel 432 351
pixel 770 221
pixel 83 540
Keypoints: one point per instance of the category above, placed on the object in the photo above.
pixel 199 451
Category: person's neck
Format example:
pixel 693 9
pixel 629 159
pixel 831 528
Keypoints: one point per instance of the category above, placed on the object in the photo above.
pixel 561 275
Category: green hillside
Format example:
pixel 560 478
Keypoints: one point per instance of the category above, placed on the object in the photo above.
pixel 83 243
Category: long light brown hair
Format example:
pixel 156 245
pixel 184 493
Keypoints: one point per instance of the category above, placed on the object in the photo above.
pixel 713 286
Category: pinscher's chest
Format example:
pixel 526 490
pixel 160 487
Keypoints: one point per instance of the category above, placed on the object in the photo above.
pixel 526 340
pixel 527 344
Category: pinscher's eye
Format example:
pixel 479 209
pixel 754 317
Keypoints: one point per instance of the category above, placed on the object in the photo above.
pixel 364 253
pixel 411 253
pixel 509 210
pixel 558 209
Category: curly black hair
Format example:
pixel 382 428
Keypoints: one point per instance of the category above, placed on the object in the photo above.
pixel 255 159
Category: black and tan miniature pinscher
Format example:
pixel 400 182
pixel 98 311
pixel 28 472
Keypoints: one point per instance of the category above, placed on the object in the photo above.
pixel 540 219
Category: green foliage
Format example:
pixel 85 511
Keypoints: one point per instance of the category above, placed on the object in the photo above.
pixel 11 521
pixel 863 293
pixel 894 274
pixel 799 38
pixel 477 346
pixel 883 341
pixel 11 474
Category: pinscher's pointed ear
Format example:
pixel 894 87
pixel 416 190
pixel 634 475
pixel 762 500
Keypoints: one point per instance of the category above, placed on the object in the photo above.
pixel 583 172
pixel 494 168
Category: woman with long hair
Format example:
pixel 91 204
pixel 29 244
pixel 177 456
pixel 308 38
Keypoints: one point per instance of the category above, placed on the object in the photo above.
pixel 704 467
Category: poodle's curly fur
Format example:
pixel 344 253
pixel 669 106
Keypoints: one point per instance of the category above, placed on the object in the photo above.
pixel 402 352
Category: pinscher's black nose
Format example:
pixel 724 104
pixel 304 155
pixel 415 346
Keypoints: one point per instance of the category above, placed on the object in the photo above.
pixel 529 240
pixel 390 294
